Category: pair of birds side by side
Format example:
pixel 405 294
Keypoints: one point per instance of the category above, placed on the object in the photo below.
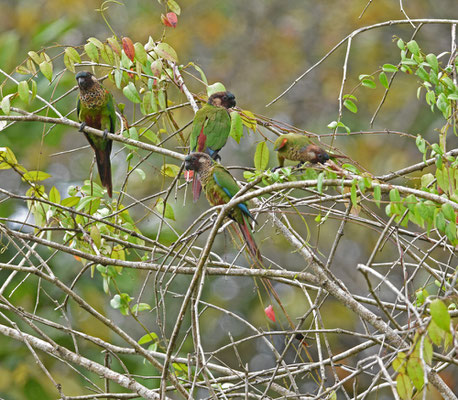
pixel 210 131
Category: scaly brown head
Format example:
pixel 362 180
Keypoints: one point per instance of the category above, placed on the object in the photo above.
pixel 86 80
pixel 222 99
pixel 314 154
pixel 197 162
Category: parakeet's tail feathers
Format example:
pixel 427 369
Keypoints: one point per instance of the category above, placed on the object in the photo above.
pixel 196 188
pixel 104 166
pixel 249 240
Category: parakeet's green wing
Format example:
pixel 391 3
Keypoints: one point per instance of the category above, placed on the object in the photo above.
pixel 78 107
pixel 111 113
pixel 225 181
pixel 217 128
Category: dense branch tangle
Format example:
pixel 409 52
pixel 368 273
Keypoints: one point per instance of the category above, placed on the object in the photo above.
pixel 385 305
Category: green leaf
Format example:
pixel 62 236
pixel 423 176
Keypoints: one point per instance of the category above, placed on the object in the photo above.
pixel 404 386
pixel 389 68
pixel 450 231
pixel 431 59
pixel 71 201
pixel 442 102
pixel 170 170
pixel 430 97
pixel 395 197
pixel 383 80
pixel 448 211
pixel 140 53
pixel 166 51
pixel 435 333
pixel 140 307
pixel 400 43
pixel 377 195
pixel 95 235
pixel 35 176
pixel 369 83
pixel 236 131
pixel 319 183
pixel 421 144
pixel 161 99
pixel 73 54
pixel 54 195
pixel 453 96
pixel 261 156
pixel 215 88
pixel 69 64
pixel 440 315
pixel 422 74
pixel 7 158
pixel 156 68
pixel 140 172
pixel 249 120
pixel 415 372
pixel 201 72
pixel 350 105
pixel 150 135
pixel 353 196
pixel 46 70
pixel 413 47
pixel 130 91
pixel 91 51
pixel 34 89
pixel 149 337
pixel 168 209
pixel 174 6
pixel 96 42
pixel 426 180
pixel 428 351
pixel 6 105
pixel 23 90
pixel 35 57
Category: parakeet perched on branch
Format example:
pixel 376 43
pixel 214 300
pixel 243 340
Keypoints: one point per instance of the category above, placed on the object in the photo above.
pixel 219 187
pixel 296 147
pixel 95 108
pixel 211 128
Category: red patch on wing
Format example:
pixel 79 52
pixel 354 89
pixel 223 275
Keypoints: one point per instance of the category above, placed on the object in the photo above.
pixel 201 140
pixel 188 175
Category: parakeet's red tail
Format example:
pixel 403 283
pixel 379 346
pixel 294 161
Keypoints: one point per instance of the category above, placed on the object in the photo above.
pixel 249 240
pixel 196 188
pixel 104 167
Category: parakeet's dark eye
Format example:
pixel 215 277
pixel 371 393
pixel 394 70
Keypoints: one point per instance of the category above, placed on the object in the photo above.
pixel 224 97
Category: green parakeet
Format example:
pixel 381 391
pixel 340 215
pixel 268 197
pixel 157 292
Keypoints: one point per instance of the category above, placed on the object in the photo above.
pixel 210 129
pixel 219 187
pixel 95 108
pixel 296 147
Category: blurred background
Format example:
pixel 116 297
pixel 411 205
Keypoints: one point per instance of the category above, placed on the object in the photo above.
pixel 256 49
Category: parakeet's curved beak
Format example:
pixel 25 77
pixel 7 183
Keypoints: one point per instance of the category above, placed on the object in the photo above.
pixel 187 163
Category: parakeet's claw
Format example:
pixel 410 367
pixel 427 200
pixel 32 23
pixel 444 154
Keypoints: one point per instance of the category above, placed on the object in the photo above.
pixel 82 126
pixel 299 165
pixel 105 133
pixel 275 168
